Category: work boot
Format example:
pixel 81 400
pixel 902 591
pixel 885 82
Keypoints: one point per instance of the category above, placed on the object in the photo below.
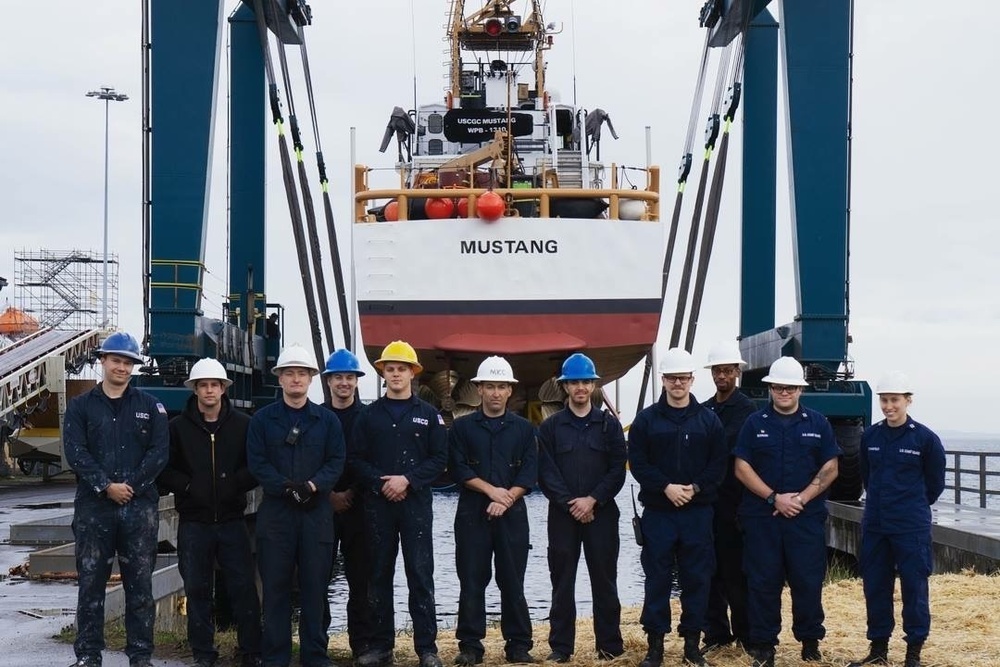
pixel 763 656
pixel 430 660
pixel 468 659
pixel 654 656
pixel 519 657
pixel 692 653
pixel 810 650
pixel 913 655
pixel 87 661
pixel 878 654
pixel 557 656
pixel 375 658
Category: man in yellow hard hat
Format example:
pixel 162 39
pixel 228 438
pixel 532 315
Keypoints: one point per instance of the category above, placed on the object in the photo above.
pixel 398 448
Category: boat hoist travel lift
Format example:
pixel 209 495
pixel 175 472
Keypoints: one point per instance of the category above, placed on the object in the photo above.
pixel 182 48
pixel 816 45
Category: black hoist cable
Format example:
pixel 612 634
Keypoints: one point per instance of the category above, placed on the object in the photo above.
pixel 331 228
pixel 683 171
pixel 290 192
pixel 711 136
pixel 315 250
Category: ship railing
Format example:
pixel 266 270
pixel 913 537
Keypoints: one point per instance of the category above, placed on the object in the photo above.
pixel 981 478
pixel 543 197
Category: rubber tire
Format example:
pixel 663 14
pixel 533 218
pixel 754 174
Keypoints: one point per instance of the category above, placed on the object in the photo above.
pixel 847 487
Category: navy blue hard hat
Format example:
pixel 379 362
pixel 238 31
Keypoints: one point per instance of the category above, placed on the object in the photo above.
pixel 578 366
pixel 343 361
pixel 122 344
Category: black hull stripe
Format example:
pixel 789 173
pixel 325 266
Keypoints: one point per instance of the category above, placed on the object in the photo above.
pixel 519 307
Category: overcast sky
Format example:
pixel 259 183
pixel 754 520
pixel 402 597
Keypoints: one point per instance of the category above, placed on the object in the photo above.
pixel 925 195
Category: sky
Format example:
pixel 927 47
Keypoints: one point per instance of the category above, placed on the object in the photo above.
pixel 924 296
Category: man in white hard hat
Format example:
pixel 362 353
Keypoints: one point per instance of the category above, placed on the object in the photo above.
pixel 494 458
pixel 209 477
pixel 726 619
pixel 677 453
pixel 902 466
pixel 296 450
pixel 786 457
pixel 398 448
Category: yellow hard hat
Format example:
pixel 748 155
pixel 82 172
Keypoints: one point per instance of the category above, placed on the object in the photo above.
pixel 399 350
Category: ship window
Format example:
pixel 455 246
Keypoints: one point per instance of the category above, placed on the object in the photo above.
pixel 435 147
pixel 435 123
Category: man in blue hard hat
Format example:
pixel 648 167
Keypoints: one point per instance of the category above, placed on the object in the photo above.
pixel 581 468
pixel 341 374
pixel 902 466
pixel 296 450
pixel 115 440
pixel 726 619
pixel 494 458
pixel 786 457
pixel 399 446
pixel 677 453
pixel 209 477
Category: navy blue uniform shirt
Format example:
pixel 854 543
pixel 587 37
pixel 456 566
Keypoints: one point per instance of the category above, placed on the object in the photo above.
pixel 733 413
pixel 903 471
pixel 504 457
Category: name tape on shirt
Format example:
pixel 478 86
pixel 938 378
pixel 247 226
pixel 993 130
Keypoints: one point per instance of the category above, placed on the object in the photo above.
pixel 421 421
pixel 142 415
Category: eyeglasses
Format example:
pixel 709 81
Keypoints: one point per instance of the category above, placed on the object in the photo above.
pixel 725 370
pixel 782 389
pixel 677 379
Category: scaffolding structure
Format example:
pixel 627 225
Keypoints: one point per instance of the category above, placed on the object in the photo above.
pixel 64 289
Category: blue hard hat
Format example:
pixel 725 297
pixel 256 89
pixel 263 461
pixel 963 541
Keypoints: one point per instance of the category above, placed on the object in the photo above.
pixel 343 361
pixel 122 344
pixel 578 366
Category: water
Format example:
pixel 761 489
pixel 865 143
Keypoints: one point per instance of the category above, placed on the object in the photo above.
pixel 537 587
pixel 970 480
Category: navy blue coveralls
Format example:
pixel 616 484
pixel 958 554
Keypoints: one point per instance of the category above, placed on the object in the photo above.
pixel 291 536
pixel 208 475
pixel 670 445
pixel 115 440
pixel 349 537
pixel 415 445
pixel 903 472
pixel 505 456
pixel 726 618
pixel 579 458
pixel 786 451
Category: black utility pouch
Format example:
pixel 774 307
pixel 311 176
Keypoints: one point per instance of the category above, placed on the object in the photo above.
pixel 636 520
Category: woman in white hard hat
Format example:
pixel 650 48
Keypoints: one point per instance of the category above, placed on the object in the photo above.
pixel 902 466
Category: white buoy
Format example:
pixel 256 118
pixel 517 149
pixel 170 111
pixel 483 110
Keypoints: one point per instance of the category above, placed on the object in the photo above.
pixel 631 209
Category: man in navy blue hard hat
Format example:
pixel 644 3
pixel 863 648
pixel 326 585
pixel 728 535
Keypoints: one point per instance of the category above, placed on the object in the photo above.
pixel 341 373
pixel 677 453
pixel 115 440
pixel 296 450
pixel 581 468
pixel 786 457
pixel 902 466
pixel 494 458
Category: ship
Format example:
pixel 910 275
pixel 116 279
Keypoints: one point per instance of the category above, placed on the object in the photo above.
pixel 504 233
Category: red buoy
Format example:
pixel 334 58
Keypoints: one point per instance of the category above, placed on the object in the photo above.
pixel 437 208
pixel 391 211
pixel 490 206
pixel 463 207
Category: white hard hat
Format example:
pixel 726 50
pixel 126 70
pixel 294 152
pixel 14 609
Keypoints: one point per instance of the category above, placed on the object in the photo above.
pixel 894 382
pixel 676 360
pixel 207 369
pixel 494 369
pixel 725 352
pixel 296 356
pixel 787 371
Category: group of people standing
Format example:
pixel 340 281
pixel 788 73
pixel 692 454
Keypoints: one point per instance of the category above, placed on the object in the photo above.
pixel 732 495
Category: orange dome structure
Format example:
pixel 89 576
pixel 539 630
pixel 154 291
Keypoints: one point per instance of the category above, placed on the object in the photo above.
pixel 15 322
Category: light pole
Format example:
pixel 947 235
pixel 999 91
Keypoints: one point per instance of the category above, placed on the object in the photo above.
pixel 108 94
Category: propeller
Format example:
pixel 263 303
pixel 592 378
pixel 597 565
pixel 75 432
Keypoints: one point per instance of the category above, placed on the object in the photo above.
pixel 552 397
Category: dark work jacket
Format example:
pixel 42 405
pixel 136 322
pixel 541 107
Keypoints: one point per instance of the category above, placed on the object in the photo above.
pixel 903 472
pixel 347 417
pixel 575 462
pixel 317 456
pixel 505 458
pixel 416 446
pixel 786 454
pixel 732 412
pixel 676 447
pixel 207 471
pixel 103 446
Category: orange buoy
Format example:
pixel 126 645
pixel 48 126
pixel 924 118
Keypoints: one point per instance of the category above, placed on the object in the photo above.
pixel 438 208
pixel 490 206
pixel 391 211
